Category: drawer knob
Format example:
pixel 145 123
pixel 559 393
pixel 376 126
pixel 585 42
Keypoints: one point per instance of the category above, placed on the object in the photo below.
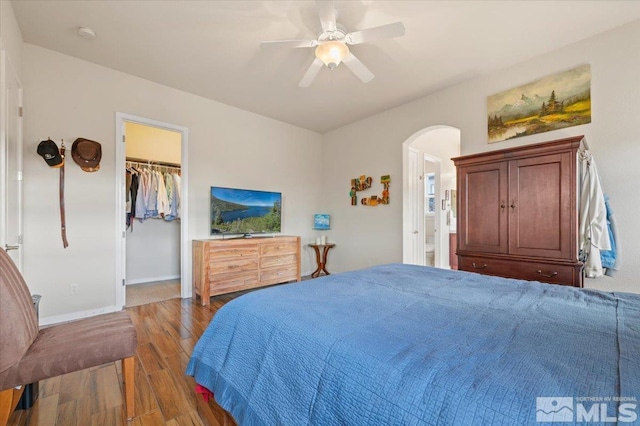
pixel 479 267
pixel 547 276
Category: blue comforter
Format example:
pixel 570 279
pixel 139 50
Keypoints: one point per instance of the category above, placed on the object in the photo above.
pixel 412 345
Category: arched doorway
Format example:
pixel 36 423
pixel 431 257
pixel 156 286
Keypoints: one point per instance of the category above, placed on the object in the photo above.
pixel 429 183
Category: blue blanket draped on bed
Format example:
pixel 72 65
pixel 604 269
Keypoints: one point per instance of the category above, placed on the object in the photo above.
pixel 410 345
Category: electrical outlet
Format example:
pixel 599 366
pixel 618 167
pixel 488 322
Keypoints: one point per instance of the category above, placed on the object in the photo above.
pixel 73 288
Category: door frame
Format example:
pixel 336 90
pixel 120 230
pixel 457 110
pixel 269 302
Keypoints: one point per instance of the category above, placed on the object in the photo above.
pixel 5 115
pixel 409 201
pixel 439 219
pixel 120 237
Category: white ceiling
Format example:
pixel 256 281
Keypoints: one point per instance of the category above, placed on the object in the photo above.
pixel 212 48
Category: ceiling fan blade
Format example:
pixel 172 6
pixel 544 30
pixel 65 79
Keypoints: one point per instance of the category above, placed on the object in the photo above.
pixel 288 43
pixel 327 13
pixel 311 73
pixel 358 68
pixel 384 31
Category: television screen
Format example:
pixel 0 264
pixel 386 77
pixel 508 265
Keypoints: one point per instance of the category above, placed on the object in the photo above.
pixel 245 211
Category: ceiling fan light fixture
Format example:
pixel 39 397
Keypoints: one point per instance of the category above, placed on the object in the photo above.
pixel 332 52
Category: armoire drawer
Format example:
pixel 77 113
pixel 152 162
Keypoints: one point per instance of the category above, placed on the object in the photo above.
pixel 524 270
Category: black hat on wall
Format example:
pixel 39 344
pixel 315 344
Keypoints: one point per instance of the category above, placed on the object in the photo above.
pixel 50 152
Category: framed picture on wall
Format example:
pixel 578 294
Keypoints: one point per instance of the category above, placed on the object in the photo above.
pixel 550 103
pixel 321 221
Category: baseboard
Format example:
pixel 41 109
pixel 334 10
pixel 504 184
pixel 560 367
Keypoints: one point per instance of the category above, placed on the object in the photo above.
pixel 77 315
pixel 153 279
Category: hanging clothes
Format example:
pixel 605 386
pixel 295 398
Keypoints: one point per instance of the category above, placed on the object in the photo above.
pixel 174 211
pixel 132 193
pixel 593 230
pixel 151 199
pixel 153 192
pixel 162 201
pixel 144 185
pixel 611 258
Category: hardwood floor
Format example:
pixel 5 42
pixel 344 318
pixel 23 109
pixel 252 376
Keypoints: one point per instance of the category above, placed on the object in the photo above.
pixel 164 395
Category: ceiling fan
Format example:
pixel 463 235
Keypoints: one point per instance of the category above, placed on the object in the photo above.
pixel 332 44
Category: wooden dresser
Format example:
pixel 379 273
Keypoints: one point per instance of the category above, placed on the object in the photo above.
pixel 226 266
pixel 518 212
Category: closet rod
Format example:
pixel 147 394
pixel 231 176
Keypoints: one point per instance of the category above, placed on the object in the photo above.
pixel 142 161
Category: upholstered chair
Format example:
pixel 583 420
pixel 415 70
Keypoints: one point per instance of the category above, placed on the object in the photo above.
pixel 28 354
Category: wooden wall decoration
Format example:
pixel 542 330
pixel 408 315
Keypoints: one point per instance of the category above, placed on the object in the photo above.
pixel 359 184
pixel 362 183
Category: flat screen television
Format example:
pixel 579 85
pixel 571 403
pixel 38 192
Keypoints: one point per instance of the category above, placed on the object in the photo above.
pixel 245 211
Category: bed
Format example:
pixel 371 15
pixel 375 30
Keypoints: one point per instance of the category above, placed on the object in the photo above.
pixel 412 345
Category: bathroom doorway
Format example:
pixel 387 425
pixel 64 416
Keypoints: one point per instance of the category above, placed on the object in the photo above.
pixel 429 184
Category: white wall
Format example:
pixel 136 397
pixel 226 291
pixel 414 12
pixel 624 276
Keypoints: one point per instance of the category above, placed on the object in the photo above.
pixel 10 36
pixel 153 251
pixel 69 98
pixel 373 146
pixel 152 144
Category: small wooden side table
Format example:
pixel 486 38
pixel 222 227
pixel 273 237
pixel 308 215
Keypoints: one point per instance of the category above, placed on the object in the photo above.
pixel 321 259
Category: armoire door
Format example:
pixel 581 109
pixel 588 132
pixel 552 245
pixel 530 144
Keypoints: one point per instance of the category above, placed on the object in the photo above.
pixel 539 206
pixel 483 212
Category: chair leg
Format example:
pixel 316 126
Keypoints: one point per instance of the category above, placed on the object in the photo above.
pixel 8 401
pixel 128 374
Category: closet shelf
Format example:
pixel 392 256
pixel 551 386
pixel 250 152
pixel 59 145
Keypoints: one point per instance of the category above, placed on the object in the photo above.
pixel 145 162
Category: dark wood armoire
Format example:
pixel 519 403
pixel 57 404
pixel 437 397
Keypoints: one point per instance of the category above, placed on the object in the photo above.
pixel 518 212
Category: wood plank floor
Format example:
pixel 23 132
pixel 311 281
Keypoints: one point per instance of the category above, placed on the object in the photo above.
pixel 164 395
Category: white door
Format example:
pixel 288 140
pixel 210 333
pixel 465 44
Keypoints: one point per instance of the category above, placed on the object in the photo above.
pixel 11 160
pixel 415 245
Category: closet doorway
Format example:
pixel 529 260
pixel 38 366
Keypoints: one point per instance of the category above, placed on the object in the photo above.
pixel 151 186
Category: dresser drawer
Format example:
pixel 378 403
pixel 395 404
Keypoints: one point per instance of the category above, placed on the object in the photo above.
pixel 217 252
pixel 277 249
pixel 278 275
pixel 531 271
pixel 236 264
pixel 228 283
pixel 282 260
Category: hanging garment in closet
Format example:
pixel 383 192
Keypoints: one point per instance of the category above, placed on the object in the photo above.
pixel 132 193
pixel 174 201
pixel 153 200
pixel 162 202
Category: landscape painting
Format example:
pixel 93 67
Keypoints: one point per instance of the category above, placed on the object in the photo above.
pixel 321 221
pixel 551 103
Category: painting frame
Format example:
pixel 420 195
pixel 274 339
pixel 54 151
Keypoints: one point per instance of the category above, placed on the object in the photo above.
pixel 321 222
pixel 550 103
